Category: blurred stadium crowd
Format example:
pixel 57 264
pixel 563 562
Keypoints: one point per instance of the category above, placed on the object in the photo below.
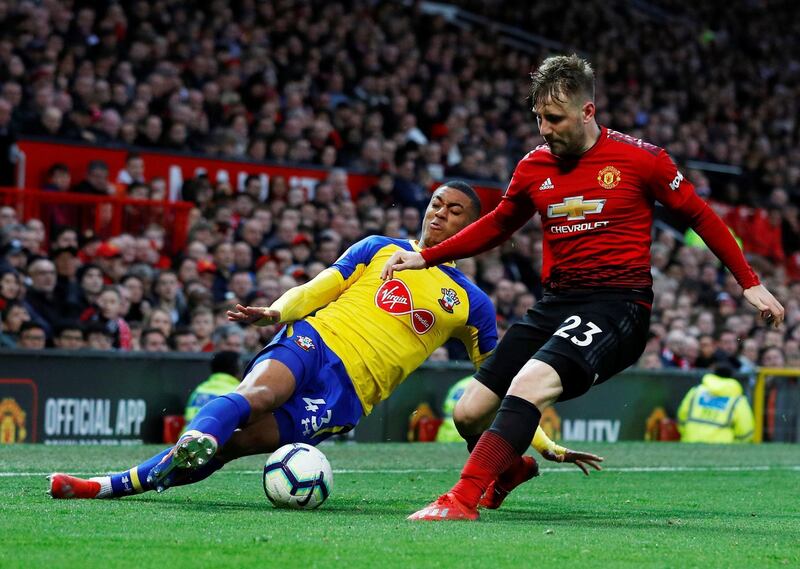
pixel 381 88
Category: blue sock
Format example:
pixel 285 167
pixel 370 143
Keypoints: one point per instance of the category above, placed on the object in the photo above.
pixel 221 416
pixel 134 481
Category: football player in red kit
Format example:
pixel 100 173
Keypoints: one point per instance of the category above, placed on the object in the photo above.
pixel 595 190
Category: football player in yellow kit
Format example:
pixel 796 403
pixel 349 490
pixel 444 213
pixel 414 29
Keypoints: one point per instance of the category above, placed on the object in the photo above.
pixel 349 340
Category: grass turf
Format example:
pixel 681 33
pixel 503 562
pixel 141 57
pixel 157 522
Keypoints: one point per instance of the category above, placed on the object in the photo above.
pixel 727 507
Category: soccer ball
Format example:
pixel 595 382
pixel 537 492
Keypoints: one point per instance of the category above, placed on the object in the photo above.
pixel 297 476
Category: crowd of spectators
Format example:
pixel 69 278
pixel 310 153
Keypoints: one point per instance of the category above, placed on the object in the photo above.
pixel 384 89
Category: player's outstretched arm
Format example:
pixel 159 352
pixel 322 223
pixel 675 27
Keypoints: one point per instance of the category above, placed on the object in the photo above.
pixel 771 310
pixel 556 453
pixel 401 261
pixel 295 303
pixel 256 315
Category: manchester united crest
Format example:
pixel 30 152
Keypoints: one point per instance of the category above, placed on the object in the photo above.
pixel 609 177
pixel 12 422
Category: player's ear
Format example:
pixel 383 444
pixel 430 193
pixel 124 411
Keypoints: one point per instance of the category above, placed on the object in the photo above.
pixel 587 111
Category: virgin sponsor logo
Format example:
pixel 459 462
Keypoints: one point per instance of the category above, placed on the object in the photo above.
pixel 422 320
pixel 562 229
pixel 394 297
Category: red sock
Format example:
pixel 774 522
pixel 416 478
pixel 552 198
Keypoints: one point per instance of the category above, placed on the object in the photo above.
pixel 512 473
pixel 520 471
pixel 491 456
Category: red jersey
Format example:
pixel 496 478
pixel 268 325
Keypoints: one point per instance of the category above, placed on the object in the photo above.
pixel 597 215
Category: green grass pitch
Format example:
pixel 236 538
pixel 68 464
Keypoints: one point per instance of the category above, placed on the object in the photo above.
pixel 655 505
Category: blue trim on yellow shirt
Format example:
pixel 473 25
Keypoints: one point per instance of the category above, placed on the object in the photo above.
pixel 361 253
pixel 481 310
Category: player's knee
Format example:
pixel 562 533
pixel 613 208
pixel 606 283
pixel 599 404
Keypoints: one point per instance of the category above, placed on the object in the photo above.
pixel 260 397
pixel 541 390
pixel 467 418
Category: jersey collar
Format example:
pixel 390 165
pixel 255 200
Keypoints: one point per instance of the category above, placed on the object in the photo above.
pixel 598 142
pixel 415 245
pixel 591 150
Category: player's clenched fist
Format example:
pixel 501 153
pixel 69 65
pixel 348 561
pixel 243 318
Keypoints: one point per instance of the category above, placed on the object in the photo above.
pixel 256 315
pixel 771 310
pixel 401 261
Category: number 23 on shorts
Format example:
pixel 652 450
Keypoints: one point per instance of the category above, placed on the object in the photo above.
pixel 582 337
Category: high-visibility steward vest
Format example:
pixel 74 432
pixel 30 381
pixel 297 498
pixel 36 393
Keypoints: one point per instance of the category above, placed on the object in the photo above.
pixel 216 385
pixel 716 411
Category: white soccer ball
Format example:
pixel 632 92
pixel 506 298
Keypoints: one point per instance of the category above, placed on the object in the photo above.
pixel 297 476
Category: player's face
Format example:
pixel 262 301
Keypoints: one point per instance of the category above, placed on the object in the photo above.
pixel 562 125
pixel 449 211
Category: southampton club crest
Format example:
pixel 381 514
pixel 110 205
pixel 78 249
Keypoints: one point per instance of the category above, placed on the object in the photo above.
pixel 305 342
pixel 449 300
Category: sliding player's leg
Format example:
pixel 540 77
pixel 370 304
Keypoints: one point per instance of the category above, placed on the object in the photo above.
pixel 259 437
pixel 296 380
pixel 269 382
pixel 193 458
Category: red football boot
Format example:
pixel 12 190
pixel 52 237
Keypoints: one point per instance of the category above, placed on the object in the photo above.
pixel 506 482
pixel 446 508
pixel 66 487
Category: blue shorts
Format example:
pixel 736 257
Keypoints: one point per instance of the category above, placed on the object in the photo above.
pixel 324 402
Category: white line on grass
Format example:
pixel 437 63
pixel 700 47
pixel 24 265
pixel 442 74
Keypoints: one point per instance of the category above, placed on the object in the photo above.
pixel 562 470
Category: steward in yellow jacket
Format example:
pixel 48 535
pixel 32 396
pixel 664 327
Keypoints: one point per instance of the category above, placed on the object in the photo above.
pixel 716 411
pixel 447 432
pixel 224 378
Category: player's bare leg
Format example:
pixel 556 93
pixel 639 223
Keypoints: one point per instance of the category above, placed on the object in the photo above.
pixel 257 437
pixel 268 385
pixel 475 410
pixel 535 387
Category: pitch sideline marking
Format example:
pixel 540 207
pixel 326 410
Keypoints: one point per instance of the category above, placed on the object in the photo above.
pixel 623 469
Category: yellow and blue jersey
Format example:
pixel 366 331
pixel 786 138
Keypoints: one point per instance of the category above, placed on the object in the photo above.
pixel 382 331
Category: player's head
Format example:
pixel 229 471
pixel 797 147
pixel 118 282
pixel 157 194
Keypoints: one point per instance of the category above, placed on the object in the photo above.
pixel 562 98
pixel 453 206
pixel 226 362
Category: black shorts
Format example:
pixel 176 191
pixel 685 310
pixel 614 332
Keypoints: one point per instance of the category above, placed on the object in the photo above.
pixel 587 337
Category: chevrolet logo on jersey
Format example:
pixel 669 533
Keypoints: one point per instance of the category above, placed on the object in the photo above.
pixel 575 208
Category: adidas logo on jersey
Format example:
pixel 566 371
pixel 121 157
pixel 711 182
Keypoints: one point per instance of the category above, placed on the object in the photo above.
pixel 546 185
